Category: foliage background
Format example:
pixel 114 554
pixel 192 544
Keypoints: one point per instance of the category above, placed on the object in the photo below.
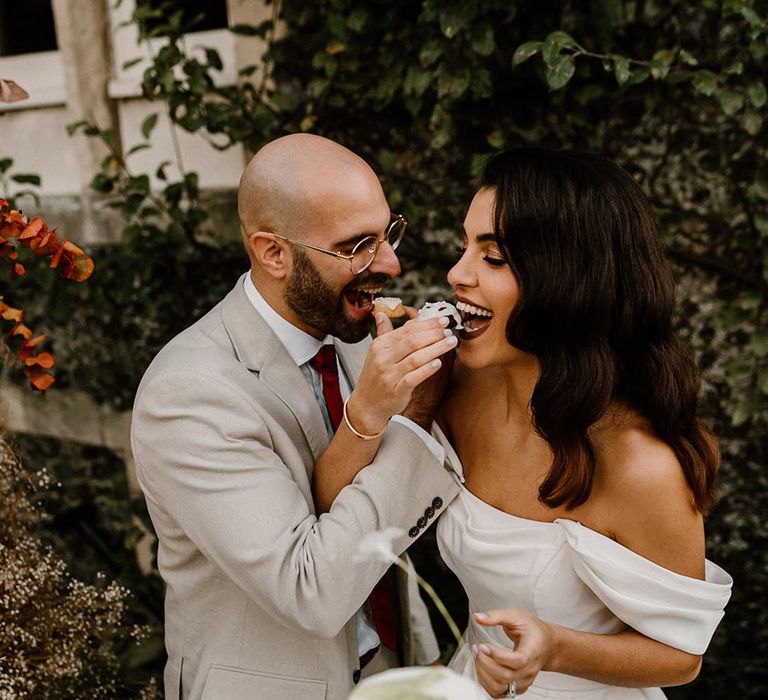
pixel 425 90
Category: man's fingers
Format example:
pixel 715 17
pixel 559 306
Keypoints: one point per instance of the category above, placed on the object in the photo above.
pixel 383 324
pixel 426 355
pixel 411 312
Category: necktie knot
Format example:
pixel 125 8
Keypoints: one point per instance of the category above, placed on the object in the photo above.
pixel 324 362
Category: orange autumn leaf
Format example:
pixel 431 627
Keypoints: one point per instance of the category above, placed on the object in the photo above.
pixel 71 263
pixel 47 245
pixel 33 229
pixel 22 330
pixel 44 359
pixel 41 381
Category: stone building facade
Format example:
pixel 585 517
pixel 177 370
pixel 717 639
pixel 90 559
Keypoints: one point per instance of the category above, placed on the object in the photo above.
pixel 71 56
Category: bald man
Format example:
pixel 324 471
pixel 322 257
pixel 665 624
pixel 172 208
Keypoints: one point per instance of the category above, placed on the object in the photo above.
pixel 276 391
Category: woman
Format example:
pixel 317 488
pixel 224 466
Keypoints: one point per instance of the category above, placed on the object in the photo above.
pixel 579 532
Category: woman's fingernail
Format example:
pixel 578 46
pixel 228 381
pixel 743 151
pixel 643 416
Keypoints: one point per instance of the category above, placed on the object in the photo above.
pixel 474 650
pixel 484 649
pixel 452 341
pixel 444 321
pixel 481 616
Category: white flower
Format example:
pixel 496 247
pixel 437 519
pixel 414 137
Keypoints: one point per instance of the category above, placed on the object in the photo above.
pixel 378 545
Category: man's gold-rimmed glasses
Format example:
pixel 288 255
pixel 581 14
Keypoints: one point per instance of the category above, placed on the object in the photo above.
pixel 364 252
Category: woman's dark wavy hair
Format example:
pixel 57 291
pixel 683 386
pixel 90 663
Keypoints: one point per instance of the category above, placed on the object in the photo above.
pixel 596 305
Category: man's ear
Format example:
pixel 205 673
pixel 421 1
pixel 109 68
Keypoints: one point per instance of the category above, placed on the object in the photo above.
pixel 270 254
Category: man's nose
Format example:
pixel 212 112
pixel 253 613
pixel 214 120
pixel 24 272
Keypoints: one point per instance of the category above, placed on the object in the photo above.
pixel 386 261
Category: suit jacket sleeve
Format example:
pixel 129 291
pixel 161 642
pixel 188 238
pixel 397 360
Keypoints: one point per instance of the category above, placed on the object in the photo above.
pixel 205 455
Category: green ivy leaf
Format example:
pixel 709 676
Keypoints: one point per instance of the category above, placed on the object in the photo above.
pixel 135 149
pixel 417 80
pixel 752 123
pixel 525 51
pixel 705 82
pixel 482 40
pixel 26 179
pixel 496 139
pixel 742 414
pixel 357 19
pixel 758 342
pixel 213 58
pixel 102 183
pixel 762 380
pixel 562 39
pixel 757 94
pixel 760 220
pixel 659 70
pixel 730 102
pixel 131 63
pixel 5 164
pixel 560 73
pixel 621 69
pixel 252 30
pixel 149 124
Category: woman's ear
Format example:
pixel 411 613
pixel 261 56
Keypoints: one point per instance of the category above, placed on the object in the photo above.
pixel 269 254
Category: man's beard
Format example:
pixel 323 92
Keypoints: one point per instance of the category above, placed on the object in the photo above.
pixel 319 306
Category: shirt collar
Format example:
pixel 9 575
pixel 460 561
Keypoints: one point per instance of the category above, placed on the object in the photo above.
pixel 301 346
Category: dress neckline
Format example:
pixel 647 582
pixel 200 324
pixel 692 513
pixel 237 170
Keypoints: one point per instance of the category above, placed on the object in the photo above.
pixel 479 500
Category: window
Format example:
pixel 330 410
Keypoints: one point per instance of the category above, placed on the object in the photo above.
pixel 29 52
pixel 26 27
pixel 199 14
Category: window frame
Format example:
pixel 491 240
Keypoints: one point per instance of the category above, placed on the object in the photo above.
pixel 126 47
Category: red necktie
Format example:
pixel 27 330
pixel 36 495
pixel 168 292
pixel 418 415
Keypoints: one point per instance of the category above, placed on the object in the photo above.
pixel 381 600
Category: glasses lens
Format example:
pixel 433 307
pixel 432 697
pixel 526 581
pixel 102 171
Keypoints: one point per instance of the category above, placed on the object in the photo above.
pixel 363 254
pixel 396 232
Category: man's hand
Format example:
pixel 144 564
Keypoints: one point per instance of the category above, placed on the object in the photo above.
pixel 398 362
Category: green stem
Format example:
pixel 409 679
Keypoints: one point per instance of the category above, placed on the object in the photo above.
pixel 435 599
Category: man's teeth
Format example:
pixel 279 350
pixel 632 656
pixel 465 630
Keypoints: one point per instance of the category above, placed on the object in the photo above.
pixel 473 310
pixel 366 290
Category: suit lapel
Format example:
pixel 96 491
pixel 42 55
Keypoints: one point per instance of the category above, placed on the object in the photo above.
pixel 260 350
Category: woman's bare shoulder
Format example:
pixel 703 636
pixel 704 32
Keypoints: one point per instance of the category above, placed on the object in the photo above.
pixel 645 498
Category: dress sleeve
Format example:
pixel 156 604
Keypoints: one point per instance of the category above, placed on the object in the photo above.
pixel 677 610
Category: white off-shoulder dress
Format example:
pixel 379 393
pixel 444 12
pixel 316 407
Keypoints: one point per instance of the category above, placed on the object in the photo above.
pixel 572 576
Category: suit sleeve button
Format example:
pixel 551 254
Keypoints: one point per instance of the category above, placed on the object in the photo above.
pixel 356 676
pixel 429 512
pixel 421 522
pixel 437 504
pixel 413 532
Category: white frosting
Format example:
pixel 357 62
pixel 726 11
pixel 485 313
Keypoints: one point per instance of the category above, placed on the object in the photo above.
pixel 433 309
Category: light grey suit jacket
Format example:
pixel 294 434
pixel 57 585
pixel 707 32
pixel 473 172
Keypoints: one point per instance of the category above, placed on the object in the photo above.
pixel 261 593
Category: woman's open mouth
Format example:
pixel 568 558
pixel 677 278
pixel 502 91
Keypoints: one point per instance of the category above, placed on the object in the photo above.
pixel 475 320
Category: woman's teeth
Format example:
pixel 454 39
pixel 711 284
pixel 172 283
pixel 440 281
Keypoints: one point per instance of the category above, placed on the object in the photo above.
pixel 473 310
pixel 473 317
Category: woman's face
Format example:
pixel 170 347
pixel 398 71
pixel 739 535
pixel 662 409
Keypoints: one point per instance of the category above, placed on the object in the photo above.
pixel 486 290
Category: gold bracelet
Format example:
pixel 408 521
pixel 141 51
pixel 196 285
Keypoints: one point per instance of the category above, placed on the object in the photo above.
pixel 360 435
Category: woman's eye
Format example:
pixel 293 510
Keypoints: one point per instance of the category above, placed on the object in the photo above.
pixel 496 262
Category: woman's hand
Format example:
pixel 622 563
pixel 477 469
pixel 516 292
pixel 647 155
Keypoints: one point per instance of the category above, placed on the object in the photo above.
pixel 534 642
